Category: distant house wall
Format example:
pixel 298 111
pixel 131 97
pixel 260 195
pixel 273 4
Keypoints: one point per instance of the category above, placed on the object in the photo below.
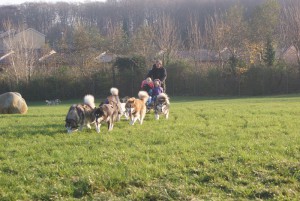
pixel 290 55
pixel 33 38
pixel 29 38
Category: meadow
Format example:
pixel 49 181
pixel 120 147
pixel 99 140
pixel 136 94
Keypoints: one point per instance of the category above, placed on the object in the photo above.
pixel 209 149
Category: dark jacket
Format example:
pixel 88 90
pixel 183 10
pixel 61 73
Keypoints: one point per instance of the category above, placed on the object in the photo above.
pixel 158 73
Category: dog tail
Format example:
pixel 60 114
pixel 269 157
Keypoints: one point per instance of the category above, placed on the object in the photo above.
pixel 143 95
pixel 165 97
pixel 114 91
pixel 89 100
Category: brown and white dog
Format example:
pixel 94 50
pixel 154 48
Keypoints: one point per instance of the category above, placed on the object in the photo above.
pixel 114 100
pixel 80 115
pixel 105 113
pixel 136 108
pixel 162 106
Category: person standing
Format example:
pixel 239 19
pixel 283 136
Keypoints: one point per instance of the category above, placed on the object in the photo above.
pixel 158 72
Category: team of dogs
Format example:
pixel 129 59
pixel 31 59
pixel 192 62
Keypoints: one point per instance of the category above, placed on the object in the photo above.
pixel 53 102
pixel 85 114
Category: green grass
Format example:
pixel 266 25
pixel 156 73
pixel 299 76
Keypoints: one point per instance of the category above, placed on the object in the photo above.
pixel 209 149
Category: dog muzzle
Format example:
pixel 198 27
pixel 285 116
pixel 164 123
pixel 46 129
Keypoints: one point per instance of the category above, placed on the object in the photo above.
pixel 71 125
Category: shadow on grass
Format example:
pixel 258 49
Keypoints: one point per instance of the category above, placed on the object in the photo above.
pixel 23 130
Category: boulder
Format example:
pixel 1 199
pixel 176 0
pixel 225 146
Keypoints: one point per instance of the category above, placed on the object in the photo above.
pixel 12 103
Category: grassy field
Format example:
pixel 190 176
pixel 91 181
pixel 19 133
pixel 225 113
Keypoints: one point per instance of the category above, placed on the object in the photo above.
pixel 209 149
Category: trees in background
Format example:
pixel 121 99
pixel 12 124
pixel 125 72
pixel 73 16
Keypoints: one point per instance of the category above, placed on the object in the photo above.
pixel 291 26
pixel 241 37
pixel 21 62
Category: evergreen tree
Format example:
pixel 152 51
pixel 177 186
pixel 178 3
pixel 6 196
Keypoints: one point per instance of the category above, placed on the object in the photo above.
pixel 269 56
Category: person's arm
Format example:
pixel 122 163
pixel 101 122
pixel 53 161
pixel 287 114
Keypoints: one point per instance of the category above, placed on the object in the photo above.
pixel 164 76
pixel 142 85
pixel 150 74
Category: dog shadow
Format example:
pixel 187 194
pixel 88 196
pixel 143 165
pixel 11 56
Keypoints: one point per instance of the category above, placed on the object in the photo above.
pixel 23 130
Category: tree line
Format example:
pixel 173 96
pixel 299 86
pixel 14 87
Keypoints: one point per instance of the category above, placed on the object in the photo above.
pixel 243 37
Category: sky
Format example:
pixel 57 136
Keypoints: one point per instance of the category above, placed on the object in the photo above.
pixel 14 2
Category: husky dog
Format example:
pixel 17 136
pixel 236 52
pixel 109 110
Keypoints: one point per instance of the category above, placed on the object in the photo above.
pixel 136 108
pixel 80 115
pixel 162 105
pixel 124 99
pixel 105 113
pixel 123 108
pixel 53 102
pixel 114 100
pixel 124 111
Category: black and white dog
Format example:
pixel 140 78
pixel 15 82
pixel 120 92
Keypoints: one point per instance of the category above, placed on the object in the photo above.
pixel 80 115
pixel 123 108
pixel 162 106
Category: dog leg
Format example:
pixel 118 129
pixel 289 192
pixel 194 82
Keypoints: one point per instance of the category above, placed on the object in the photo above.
pixel 88 125
pixel 126 116
pixel 131 122
pixel 81 127
pixel 134 120
pixel 167 115
pixel 156 116
pixel 141 119
pixel 111 126
pixel 98 128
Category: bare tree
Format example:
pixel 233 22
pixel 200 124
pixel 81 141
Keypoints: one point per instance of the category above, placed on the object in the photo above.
pixel 215 35
pixel 25 55
pixel 142 42
pixel 227 31
pixel 166 36
pixel 263 26
pixel 194 37
pixel 194 45
pixel 116 38
pixel 290 25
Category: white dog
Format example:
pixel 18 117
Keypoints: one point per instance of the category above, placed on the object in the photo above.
pixel 124 111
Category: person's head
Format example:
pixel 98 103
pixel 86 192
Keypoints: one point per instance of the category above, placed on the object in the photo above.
pixel 158 63
pixel 148 80
pixel 157 83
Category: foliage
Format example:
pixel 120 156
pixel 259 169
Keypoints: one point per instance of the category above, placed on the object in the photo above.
pixel 209 149
pixel 269 57
pixel 240 35
pixel 131 72
pixel 135 63
pixel 142 42
pixel 264 21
